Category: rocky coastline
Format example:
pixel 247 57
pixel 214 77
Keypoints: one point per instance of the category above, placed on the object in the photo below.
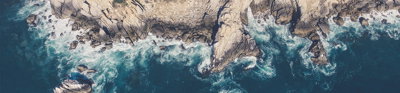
pixel 219 23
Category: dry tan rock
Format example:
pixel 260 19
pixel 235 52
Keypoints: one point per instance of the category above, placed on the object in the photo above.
pixel 363 21
pixel 231 42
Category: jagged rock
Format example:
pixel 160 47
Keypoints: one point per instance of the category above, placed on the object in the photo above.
pixel 162 47
pixel 31 20
pixel 338 20
pixel 319 54
pixel 230 40
pixel 384 21
pixel 303 29
pixel 95 43
pixel 73 45
pixel 363 21
pixel 182 47
pixel 103 49
pixel 354 17
pixel 108 44
pixel 81 39
pixel 53 35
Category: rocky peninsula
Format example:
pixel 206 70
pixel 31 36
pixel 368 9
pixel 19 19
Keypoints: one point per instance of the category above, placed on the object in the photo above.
pixel 219 23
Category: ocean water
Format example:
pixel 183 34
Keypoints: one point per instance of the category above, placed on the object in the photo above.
pixel 363 59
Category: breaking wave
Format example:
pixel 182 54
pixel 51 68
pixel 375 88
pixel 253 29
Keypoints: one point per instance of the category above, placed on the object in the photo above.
pixel 131 67
pixel 139 67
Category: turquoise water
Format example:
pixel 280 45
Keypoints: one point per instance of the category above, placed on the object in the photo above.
pixel 363 60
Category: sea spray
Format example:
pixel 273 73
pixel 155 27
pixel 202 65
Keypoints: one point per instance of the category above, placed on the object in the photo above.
pixel 113 63
pixel 266 31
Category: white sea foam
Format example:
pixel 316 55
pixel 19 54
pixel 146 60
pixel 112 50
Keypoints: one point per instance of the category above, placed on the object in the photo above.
pixel 110 62
pixel 129 57
pixel 28 7
pixel 375 30
pixel 260 28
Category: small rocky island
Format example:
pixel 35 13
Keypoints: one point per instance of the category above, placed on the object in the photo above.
pixel 219 23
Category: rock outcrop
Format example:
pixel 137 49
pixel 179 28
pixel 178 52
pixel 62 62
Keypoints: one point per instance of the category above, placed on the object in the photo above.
pixel 216 22
pixel 231 41
pixel 307 17
pixel 31 20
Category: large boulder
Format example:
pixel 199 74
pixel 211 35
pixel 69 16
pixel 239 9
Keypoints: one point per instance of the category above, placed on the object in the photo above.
pixel 338 20
pixel 363 21
pixel 32 20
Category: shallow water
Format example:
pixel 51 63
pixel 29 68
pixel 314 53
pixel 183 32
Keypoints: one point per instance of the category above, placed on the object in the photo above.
pixel 363 59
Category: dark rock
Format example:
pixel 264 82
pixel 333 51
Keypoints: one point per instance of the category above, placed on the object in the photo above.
pixel 283 15
pixel 103 49
pixel 154 42
pixel 319 53
pixel 95 43
pixel 303 29
pixel 53 35
pixel 354 17
pixel 338 20
pixel 363 21
pixel 382 7
pixel 162 47
pixel 108 44
pixel 75 27
pixel 183 47
pixel 73 45
pixel 384 21
pixel 44 17
pixel 32 20
pixel 314 37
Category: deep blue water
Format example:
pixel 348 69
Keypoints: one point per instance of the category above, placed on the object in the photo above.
pixel 30 65
pixel 19 74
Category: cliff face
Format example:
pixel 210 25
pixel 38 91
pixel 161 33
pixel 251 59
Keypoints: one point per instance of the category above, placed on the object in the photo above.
pixel 216 22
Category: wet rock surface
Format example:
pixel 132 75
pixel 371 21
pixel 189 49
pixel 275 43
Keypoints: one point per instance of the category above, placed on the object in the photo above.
pixel 363 21
pixel 32 20
pixel 218 23
pixel 338 20
pixel 73 45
